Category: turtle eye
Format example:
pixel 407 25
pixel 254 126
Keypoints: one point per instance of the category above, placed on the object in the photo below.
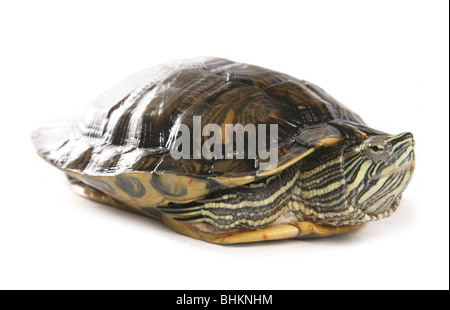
pixel 376 149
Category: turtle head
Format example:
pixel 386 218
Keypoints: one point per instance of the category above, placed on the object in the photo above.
pixel 377 171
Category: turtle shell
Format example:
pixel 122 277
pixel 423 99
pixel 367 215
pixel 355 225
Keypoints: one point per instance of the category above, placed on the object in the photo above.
pixel 130 129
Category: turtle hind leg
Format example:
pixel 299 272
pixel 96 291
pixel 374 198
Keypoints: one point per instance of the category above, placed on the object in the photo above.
pixel 273 232
pixel 93 194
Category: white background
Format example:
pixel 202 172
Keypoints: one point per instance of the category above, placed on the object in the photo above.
pixel 386 60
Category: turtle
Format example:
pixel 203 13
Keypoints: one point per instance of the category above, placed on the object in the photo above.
pixel 332 173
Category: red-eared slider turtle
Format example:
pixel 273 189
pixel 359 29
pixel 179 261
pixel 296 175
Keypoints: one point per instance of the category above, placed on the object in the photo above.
pixel 332 172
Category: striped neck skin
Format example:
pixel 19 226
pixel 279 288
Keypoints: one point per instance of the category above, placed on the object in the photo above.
pixel 354 184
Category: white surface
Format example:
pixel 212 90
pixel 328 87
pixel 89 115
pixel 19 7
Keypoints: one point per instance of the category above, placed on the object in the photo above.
pixel 387 60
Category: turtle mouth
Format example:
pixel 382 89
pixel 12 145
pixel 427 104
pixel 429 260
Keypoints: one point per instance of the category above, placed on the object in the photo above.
pixel 395 170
